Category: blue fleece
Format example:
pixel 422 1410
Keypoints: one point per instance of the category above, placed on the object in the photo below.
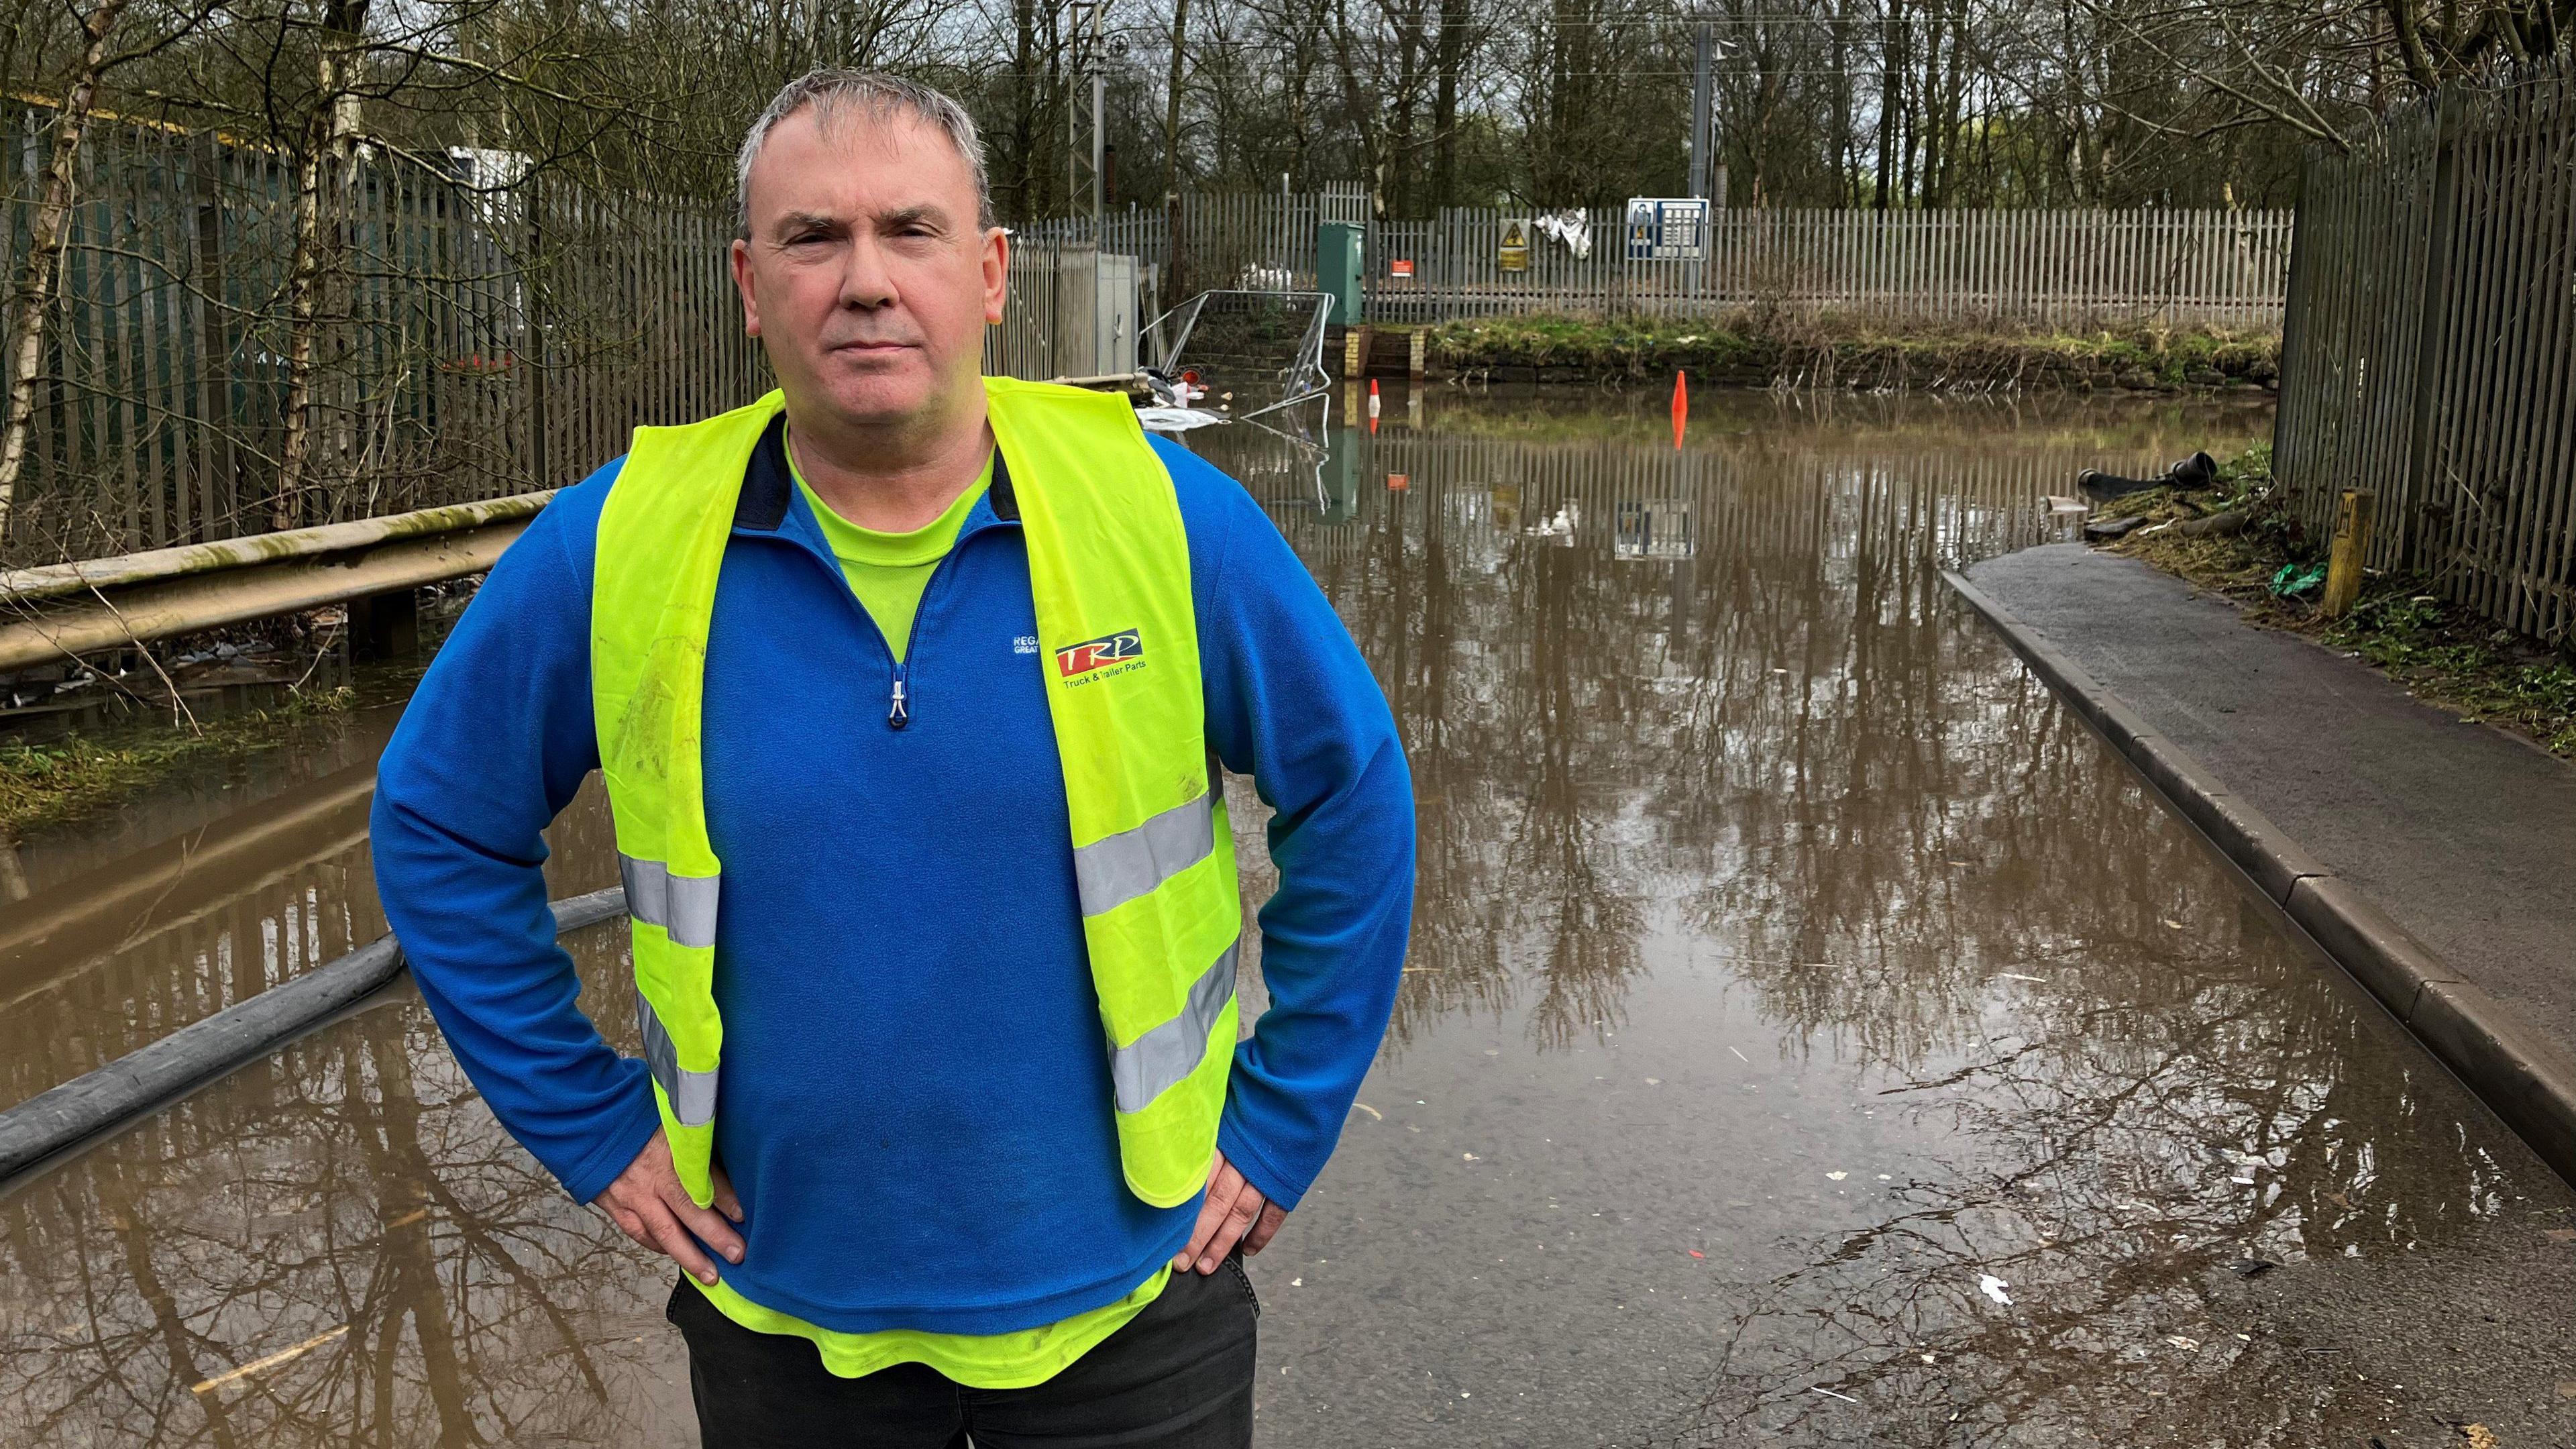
pixel 915 1092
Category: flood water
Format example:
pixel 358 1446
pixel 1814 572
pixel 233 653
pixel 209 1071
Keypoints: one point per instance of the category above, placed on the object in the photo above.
pixel 1787 965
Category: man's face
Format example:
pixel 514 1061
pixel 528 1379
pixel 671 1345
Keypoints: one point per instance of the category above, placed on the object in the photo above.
pixel 866 276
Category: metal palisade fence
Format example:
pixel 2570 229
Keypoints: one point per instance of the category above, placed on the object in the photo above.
pixel 2429 352
pixel 463 337
pixel 2065 268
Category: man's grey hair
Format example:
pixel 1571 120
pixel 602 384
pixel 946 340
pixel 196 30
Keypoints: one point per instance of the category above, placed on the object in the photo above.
pixel 834 94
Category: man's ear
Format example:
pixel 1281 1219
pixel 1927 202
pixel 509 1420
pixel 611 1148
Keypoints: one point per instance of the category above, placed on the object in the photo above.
pixel 997 272
pixel 740 255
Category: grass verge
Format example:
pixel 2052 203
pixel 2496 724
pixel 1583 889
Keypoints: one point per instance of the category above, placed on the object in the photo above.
pixel 2443 654
pixel 58 780
pixel 1765 348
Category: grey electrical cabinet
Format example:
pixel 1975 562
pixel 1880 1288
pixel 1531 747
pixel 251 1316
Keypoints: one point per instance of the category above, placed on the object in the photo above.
pixel 1338 269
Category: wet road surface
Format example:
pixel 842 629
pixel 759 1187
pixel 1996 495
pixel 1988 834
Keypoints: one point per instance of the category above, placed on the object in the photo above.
pixel 1787 965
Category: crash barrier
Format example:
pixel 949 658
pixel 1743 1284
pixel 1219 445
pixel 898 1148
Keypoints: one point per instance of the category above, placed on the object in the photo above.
pixel 45 1129
pixel 66 610
pixel 2429 349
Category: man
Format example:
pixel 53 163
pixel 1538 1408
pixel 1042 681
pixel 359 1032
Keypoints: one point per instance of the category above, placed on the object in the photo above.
pixel 906 687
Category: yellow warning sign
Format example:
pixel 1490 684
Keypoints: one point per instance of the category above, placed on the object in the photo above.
pixel 1513 254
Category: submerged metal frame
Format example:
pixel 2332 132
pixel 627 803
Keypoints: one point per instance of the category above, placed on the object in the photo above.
pixel 1304 377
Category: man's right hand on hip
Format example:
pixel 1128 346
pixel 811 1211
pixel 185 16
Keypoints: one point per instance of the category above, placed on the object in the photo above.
pixel 652 1208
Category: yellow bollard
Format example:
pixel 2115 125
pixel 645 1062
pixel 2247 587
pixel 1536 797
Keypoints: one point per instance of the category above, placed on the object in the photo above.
pixel 2354 513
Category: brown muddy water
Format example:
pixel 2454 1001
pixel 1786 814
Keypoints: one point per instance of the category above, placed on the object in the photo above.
pixel 1787 964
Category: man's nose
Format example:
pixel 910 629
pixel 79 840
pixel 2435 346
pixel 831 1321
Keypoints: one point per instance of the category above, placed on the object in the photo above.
pixel 866 283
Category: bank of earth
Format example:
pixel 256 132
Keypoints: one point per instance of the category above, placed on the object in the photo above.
pixel 1758 349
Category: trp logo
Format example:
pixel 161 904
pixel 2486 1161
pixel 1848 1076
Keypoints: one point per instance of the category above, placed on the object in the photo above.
pixel 1100 653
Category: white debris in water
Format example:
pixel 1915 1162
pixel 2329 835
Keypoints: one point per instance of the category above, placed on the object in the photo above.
pixel 1174 420
pixel 1993 1287
pixel 1836 1176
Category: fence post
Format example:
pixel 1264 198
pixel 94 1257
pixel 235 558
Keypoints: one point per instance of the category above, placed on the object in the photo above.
pixel 218 496
pixel 2432 318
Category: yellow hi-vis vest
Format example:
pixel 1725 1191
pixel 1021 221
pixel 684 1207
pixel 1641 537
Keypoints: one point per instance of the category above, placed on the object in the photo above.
pixel 1109 572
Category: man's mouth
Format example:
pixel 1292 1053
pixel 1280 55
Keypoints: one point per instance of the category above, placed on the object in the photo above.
pixel 870 347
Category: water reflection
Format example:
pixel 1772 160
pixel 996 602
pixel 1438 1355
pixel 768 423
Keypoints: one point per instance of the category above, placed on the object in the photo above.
pixel 184 907
pixel 337 1245
pixel 1721 656
pixel 1751 870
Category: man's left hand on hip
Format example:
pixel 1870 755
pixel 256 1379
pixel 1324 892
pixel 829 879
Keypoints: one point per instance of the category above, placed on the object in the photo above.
pixel 1234 1212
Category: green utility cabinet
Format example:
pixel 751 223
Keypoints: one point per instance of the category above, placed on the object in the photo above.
pixel 1338 269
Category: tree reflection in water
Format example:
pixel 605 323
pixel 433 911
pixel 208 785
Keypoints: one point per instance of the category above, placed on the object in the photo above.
pixel 350 1198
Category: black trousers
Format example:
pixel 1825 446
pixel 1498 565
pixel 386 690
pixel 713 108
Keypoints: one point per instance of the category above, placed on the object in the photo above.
pixel 1176 1376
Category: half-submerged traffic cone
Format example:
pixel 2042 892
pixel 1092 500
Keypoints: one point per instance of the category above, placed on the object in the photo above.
pixel 1372 405
pixel 1681 406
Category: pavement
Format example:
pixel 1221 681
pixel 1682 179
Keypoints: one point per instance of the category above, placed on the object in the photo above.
pixel 2368 808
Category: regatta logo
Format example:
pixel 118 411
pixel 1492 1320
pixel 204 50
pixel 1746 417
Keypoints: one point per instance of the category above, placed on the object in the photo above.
pixel 1122 649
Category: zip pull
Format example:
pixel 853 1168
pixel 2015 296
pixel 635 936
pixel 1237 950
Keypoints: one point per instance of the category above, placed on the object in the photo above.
pixel 897 715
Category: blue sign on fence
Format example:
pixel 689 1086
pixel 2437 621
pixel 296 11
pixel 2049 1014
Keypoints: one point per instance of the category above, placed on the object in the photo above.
pixel 1664 229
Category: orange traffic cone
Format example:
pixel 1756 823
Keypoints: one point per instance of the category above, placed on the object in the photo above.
pixel 1681 406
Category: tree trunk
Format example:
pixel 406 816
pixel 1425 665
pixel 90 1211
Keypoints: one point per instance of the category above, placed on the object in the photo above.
pixel 327 134
pixel 1022 162
pixel 1840 80
pixel 1891 96
pixel 46 233
pixel 1172 104
pixel 1935 145
pixel 1450 61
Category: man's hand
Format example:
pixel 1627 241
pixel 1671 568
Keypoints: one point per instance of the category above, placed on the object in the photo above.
pixel 650 1205
pixel 1235 1211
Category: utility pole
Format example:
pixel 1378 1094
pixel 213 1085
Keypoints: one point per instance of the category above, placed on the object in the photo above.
pixel 1082 158
pixel 1703 101
pixel 1700 100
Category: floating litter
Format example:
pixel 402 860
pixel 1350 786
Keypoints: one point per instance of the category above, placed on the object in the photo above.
pixel 1993 1287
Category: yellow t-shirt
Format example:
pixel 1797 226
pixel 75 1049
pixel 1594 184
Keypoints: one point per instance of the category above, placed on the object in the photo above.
pixel 888 571
pixel 977 1360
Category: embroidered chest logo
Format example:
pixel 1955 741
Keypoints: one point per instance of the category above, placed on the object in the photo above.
pixel 1099 658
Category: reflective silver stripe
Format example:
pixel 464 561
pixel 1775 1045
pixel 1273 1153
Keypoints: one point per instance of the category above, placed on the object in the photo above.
pixel 1155 1062
pixel 1116 869
pixel 682 905
pixel 692 1094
